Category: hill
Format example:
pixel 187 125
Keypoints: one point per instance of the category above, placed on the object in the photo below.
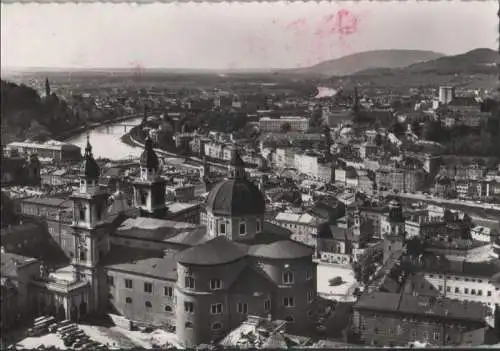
pixel 351 64
pixel 25 115
pixel 473 69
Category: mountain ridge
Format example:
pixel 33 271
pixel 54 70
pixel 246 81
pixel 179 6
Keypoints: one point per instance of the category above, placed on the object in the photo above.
pixel 350 64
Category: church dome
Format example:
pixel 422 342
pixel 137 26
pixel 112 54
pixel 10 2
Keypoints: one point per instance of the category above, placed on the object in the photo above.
pixel 236 196
pixel 89 168
pixel 149 159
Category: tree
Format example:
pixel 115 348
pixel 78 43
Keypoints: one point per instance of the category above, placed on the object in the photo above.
pixel 286 127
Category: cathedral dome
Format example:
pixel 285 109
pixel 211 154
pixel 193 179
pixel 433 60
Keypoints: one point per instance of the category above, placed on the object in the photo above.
pixel 149 159
pixel 236 196
pixel 89 168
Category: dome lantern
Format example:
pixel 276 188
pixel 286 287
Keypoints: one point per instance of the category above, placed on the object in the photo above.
pixel 149 162
pixel 89 170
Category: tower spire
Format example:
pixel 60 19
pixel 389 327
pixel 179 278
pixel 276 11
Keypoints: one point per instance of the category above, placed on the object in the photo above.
pixel 88 148
pixel 236 168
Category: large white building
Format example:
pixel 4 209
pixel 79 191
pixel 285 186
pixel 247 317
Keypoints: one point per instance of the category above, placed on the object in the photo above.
pixel 297 124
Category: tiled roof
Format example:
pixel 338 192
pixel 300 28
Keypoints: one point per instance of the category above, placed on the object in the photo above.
pixel 142 262
pixel 284 249
pixel 422 305
pixel 214 252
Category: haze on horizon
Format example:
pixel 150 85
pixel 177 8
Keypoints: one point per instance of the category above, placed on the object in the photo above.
pixel 234 36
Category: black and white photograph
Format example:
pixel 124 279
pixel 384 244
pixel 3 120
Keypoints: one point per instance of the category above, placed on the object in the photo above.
pixel 264 175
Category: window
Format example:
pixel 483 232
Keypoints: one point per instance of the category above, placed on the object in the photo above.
pixel 216 308
pixel 148 288
pixel 143 198
pixel 473 292
pixel 82 255
pixel 128 300
pixel 466 290
pixel 489 293
pixel 257 227
pixel 216 326
pixel 457 290
pixel 243 228
pixel 99 212
pixel 188 307
pixel 480 292
pixel 448 289
pixel 148 304
pixel 215 284
pixel 267 305
pixel 414 334
pixel 111 281
pixel 222 228
pixel 440 287
pixel 310 296
pixel 188 325
pixel 288 278
pixel 128 283
pixel 168 291
pixel 168 308
pixel 189 282
pixel 435 335
pixel 288 302
pixel 289 319
pixel 309 274
pixel 81 211
pixel 242 307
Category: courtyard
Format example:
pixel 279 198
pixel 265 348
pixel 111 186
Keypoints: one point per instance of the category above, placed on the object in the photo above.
pixel 341 292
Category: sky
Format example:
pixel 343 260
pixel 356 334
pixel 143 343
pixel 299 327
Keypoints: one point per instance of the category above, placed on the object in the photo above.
pixel 235 36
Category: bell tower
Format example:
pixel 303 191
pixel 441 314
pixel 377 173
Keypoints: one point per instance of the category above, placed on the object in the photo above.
pixel 90 230
pixel 149 188
pixel 236 166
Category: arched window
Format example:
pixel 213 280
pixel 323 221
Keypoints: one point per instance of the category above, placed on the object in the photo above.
pixel 128 300
pixel 216 326
pixel 168 308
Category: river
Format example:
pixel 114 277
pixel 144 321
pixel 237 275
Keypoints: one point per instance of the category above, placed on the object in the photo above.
pixel 106 140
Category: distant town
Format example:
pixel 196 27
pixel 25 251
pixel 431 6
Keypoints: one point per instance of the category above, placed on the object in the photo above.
pixel 149 210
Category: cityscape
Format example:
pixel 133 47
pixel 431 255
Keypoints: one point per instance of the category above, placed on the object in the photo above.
pixel 241 192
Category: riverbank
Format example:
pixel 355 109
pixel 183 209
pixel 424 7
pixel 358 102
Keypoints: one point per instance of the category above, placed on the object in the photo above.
pixel 89 126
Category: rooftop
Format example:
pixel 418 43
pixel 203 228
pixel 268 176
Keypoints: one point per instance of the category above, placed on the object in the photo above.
pixel 217 251
pixel 283 249
pixel 10 262
pixel 422 306
pixel 48 201
pixel 155 264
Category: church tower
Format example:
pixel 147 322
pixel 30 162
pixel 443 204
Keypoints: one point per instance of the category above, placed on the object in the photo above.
pixel 90 231
pixel 47 88
pixel 149 188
